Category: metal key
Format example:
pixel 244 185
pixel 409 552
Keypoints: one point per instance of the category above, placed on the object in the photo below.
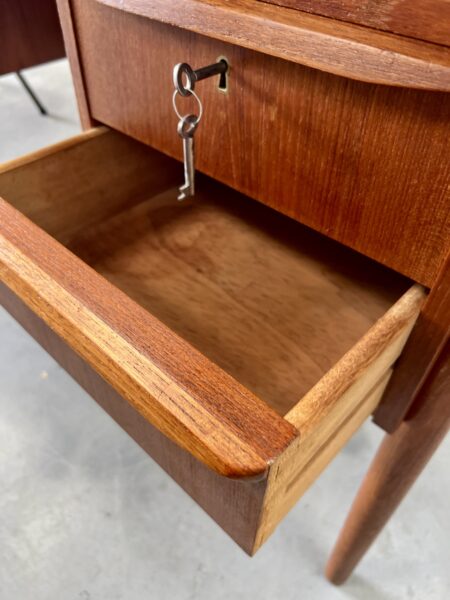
pixel 186 129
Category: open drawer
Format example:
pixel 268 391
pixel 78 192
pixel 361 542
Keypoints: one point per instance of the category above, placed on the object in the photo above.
pixel 239 348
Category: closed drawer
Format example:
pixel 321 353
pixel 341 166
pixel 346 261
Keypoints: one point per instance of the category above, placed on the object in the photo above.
pixel 364 163
pixel 238 347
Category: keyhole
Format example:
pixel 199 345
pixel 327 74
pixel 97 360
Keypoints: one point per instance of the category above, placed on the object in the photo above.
pixel 223 79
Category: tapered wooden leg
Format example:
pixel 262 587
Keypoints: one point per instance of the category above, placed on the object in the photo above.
pixel 397 464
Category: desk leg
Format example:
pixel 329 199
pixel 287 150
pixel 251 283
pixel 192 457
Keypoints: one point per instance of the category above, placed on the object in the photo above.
pixel 397 464
pixel 31 93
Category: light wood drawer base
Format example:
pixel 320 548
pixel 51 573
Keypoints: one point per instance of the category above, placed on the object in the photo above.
pixel 231 342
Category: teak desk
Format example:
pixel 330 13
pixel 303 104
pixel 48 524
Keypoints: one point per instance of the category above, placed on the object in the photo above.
pixel 241 337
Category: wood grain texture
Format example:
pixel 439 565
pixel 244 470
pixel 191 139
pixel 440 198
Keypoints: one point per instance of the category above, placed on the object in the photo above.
pixel 334 47
pixel 329 414
pixel 187 397
pixel 247 511
pixel 399 461
pixel 334 414
pixel 234 505
pixel 422 19
pixel 30 34
pixel 367 165
pixel 360 369
pixel 423 348
pixel 77 183
pixel 297 469
pixel 272 303
pixel 71 46
pixel 80 311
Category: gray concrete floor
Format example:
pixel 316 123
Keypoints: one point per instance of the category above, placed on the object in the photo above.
pixel 85 513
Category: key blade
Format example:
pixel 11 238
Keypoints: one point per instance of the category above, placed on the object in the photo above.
pixel 184 192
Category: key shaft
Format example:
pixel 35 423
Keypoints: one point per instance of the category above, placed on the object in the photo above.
pixel 186 129
pixel 188 188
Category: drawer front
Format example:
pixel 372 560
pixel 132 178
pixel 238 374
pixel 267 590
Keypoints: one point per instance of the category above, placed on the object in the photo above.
pixel 255 361
pixel 235 505
pixel 359 162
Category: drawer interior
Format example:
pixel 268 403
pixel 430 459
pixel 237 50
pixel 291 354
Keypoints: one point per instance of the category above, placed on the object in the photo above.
pixel 271 302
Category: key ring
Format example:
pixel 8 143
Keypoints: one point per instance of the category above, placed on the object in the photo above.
pixel 178 72
pixel 175 107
